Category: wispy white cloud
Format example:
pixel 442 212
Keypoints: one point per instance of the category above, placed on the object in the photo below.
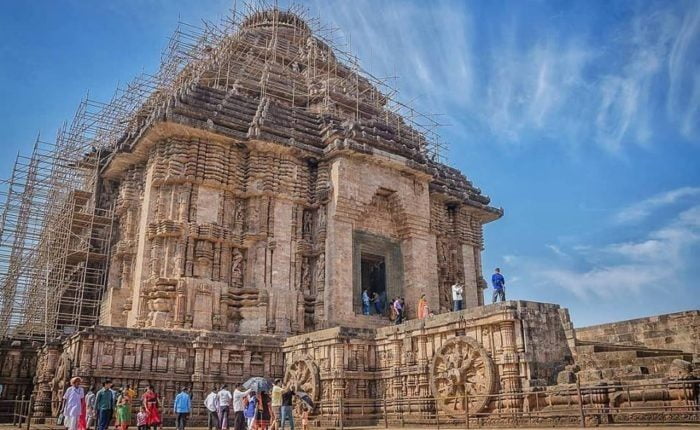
pixel 683 73
pixel 502 81
pixel 556 250
pixel 640 210
pixel 619 269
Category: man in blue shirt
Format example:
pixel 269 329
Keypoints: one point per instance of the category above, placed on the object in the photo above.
pixel 104 405
pixel 182 407
pixel 499 286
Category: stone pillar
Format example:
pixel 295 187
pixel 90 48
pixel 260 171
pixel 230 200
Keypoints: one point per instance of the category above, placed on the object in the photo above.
pixel 50 356
pixel 510 373
pixel 471 284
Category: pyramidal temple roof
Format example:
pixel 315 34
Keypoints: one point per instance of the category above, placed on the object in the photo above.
pixel 272 78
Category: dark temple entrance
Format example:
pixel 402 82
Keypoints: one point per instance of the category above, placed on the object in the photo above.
pixel 373 269
pixel 377 267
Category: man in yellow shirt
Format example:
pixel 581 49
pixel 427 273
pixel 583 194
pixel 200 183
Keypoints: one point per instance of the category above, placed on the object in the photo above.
pixel 276 394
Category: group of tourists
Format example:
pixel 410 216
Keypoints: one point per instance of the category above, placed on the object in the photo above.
pixel 398 304
pixel 244 409
pixel 253 409
pixel 82 411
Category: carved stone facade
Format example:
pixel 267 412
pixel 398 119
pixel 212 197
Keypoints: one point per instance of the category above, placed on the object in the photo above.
pixel 166 359
pixel 18 361
pixel 497 362
pixel 240 211
pixel 247 224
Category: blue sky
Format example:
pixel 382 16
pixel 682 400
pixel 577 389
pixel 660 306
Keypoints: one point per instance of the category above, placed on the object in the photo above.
pixel 581 119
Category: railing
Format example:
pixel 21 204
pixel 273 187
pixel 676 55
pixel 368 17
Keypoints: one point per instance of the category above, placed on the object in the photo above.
pixel 661 402
pixel 17 411
pixel 565 405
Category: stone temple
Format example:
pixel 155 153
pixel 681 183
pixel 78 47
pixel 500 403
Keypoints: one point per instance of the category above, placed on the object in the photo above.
pixel 220 220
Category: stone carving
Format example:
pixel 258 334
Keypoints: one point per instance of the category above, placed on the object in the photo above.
pixel 307 223
pixel 237 269
pixel 60 381
pixel 305 278
pixel 303 375
pixel 462 371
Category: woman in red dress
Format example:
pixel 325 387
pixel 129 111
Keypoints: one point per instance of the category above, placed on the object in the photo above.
pixel 150 403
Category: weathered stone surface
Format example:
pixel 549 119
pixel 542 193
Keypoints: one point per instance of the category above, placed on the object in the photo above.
pixel 167 359
pixel 241 220
pixel 676 331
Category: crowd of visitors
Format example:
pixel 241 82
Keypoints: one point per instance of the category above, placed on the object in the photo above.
pixel 244 409
pixel 397 308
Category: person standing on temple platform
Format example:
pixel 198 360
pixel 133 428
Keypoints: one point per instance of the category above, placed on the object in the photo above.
pixel 250 408
pixel 225 398
pixel 73 404
pixel 212 405
pixel 276 401
pixel 123 410
pixel 141 419
pixel 263 413
pixel 287 411
pixel 499 286
pixel 131 392
pixel 365 302
pixel 182 408
pixel 239 421
pixel 378 303
pixel 104 405
pixel 423 309
pixel 395 308
pixel 90 408
pixel 151 402
pixel 398 307
pixel 305 417
pixel 457 298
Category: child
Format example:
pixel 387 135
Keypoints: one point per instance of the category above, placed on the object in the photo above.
pixel 141 419
pixel 305 418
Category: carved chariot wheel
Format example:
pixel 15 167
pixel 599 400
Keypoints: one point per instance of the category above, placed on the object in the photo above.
pixel 304 375
pixel 461 366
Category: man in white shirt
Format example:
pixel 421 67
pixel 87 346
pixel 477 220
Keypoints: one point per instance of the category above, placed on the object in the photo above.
pixel 239 421
pixel 73 404
pixel 224 396
pixel 457 290
pixel 212 405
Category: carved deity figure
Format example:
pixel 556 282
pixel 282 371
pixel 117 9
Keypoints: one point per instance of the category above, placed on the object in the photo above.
pixel 321 217
pixel 320 271
pixel 239 215
pixel 305 276
pixel 237 268
pixel 307 224
pixel 253 218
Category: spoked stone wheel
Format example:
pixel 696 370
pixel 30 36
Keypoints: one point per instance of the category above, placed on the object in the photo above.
pixel 461 366
pixel 304 375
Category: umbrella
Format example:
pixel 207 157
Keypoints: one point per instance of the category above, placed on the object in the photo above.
pixel 304 397
pixel 258 384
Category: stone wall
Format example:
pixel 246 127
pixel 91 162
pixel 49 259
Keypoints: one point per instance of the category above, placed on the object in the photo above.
pixel 166 359
pixel 506 362
pixel 18 360
pixel 679 331
pixel 506 347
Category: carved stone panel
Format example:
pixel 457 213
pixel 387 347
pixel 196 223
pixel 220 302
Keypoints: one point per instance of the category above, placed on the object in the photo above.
pixel 462 371
pixel 303 374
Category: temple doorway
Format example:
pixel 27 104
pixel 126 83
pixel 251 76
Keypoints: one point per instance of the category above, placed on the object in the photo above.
pixel 377 265
pixel 373 269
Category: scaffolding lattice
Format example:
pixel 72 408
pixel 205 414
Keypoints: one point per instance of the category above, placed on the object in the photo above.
pixel 55 230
